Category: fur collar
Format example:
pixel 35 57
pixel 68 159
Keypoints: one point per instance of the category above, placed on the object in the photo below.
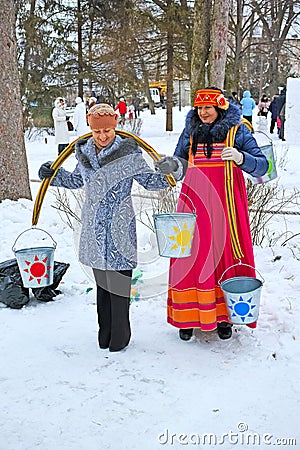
pixel 87 156
pixel 220 129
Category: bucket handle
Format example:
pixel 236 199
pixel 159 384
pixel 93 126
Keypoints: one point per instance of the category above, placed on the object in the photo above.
pixel 241 264
pixel 33 228
pixel 182 193
pixel 270 140
pixel 194 208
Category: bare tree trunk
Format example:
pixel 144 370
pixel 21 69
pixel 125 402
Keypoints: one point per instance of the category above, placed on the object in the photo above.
pixel 277 17
pixel 14 178
pixel 90 44
pixel 149 98
pixel 261 72
pixel 28 44
pixel 218 51
pixel 273 70
pixel 146 85
pixel 170 69
pixel 236 81
pixel 248 54
pixel 80 56
pixel 187 24
pixel 200 48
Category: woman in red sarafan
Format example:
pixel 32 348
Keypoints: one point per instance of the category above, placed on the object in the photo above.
pixel 222 233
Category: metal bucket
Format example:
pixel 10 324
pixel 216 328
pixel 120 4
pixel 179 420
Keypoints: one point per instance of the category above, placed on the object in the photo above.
pixel 36 264
pixel 175 233
pixel 271 173
pixel 242 297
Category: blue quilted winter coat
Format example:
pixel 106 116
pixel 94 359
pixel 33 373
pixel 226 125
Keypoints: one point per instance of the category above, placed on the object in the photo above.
pixel 254 163
pixel 108 235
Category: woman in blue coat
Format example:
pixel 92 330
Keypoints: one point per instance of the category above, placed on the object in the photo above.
pixel 248 105
pixel 107 167
pixel 214 183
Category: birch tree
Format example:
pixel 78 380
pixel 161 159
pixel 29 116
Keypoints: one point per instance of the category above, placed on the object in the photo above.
pixel 218 43
pixel 201 44
pixel 209 43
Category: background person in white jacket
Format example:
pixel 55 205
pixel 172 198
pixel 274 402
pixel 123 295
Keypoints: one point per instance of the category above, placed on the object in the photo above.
pixel 79 121
pixel 60 124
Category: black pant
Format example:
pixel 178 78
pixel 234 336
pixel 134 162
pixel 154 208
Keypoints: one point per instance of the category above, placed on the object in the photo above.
pixel 113 300
pixel 272 126
pixel 122 119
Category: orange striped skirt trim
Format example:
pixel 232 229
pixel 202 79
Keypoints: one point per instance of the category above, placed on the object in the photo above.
pixel 194 308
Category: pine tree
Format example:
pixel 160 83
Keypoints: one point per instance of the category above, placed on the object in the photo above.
pixel 14 179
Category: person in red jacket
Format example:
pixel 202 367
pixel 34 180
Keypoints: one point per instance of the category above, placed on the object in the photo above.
pixel 122 107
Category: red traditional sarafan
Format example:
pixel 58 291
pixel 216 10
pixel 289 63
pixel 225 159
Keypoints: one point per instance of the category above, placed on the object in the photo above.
pixel 195 299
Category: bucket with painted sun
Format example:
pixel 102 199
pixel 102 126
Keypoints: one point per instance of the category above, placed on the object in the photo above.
pixel 242 297
pixel 36 263
pixel 175 233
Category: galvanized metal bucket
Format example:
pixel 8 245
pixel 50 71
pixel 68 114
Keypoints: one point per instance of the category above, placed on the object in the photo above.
pixel 242 297
pixel 271 173
pixel 175 233
pixel 36 264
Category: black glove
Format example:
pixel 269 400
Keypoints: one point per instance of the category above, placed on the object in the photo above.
pixel 45 170
pixel 167 165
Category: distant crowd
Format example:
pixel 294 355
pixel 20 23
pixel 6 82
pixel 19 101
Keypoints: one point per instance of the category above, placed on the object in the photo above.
pixel 131 110
pixel 63 124
pixel 274 106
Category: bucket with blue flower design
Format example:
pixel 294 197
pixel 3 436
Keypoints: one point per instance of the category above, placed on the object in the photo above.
pixel 242 297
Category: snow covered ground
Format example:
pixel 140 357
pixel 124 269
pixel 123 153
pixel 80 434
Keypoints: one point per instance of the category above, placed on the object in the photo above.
pixel 59 391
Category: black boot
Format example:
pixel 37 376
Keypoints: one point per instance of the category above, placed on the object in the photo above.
pixel 104 317
pixel 224 330
pixel 102 341
pixel 186 334
pixel 120 324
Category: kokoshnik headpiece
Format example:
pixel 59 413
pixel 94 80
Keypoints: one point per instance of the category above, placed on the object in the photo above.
pixel 211 97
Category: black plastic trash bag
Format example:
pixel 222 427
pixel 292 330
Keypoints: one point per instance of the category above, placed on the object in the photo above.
pixel 12 291
pixel 15 295
pixel 46 294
